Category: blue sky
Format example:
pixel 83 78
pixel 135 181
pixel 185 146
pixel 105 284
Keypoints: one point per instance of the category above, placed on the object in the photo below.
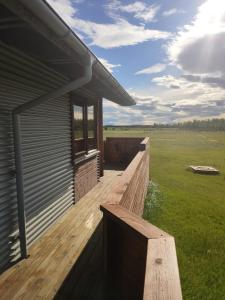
pixel 169 55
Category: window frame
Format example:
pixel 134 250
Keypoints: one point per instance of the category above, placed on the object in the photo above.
pixel 87 148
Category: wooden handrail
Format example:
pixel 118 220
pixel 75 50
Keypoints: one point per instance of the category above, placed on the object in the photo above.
pixel 125 218
pixel 162 281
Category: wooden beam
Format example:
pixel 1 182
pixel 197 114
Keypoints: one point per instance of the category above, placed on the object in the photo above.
pixel 128 219
pixel 162 281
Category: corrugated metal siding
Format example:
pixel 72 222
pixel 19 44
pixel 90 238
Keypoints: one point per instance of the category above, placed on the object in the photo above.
pixel 8 212
pixel 48 173
pixel 46 133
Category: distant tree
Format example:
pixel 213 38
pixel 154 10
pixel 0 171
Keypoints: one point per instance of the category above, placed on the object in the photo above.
pixel 210 124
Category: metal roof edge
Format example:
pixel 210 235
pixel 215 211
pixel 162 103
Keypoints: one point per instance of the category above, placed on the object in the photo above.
pixel 47 15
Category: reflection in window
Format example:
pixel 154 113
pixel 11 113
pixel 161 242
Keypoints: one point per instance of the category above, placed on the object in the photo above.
pixel 91 124
pixel 78 122
pixel 84 127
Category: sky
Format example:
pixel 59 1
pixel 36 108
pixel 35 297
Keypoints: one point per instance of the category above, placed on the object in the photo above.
pixel 168 55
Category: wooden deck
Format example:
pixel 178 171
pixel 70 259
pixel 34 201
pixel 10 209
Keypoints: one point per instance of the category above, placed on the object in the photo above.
pixel 55 266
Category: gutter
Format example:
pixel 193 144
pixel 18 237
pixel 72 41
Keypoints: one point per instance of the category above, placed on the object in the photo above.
pixel 38 13
pixel 47 15
pixel 73 85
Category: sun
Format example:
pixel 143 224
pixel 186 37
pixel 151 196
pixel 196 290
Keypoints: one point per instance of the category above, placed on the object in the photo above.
pixel 211 17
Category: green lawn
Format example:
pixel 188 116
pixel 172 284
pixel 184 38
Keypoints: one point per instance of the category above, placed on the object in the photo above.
pixel 189 206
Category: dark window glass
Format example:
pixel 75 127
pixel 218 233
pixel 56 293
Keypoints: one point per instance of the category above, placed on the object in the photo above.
pixel 84 127
pixel 91 122
pixel 78 122
pixel 78 128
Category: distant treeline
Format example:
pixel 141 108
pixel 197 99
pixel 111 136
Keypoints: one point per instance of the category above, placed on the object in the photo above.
pixel 210 125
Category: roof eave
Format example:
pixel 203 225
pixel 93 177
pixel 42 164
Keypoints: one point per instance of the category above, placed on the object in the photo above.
pixel 113 91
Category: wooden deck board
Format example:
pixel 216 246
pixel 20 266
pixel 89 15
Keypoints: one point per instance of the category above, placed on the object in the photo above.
pixel 56 252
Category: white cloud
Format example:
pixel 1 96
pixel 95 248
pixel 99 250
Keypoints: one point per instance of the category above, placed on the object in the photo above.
pixel 180 90
pixel 109 35
pixel 108 65
pixel 139 10
pixel 199 47
pixel 118 34
pixel 65 9
pixel 167 104
pixel 157 68
pixel 172 11
pixel 189 85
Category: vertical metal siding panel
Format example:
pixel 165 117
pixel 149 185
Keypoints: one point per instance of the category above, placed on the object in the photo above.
pixel 8 216
pixel 48 184
pixel 46 130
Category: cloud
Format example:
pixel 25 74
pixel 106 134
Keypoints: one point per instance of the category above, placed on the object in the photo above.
pixel 65 9
pixel 171 105
pixel 173 11
pixel 199 47
pixel 188 97
pixel 198 50
pixel 118 34
pixel 145 112
pixel 108 65
pixel 139 10
pixel 106 35
pixel 173 99
pixel 199 111
pixel 191 83
pixel 213 81
pixel 157 68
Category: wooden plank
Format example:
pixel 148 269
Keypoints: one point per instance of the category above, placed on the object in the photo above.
pixel 144 145
pixel 126 218
pixel 162 280
pixel 204 170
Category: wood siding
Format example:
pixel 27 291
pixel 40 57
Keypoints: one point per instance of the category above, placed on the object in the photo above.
pixel 86 176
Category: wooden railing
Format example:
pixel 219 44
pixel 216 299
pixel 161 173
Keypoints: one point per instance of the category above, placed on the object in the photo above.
pixel 121 150
pixel 140 259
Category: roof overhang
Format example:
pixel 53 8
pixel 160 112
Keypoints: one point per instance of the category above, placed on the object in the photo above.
pixel 55 44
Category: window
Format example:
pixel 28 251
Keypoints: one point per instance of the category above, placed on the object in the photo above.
pixel 84 128
pixel 91 124
pixel 78 122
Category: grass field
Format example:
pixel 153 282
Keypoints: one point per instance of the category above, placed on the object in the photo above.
pixel 189 206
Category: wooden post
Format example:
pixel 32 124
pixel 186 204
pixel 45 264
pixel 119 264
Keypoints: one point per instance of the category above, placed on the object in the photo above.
pixel 100 142
pixel 125 253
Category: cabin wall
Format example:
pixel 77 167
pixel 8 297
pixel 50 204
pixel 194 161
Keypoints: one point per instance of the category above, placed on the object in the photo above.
pixel 86 176
pixel 47 151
